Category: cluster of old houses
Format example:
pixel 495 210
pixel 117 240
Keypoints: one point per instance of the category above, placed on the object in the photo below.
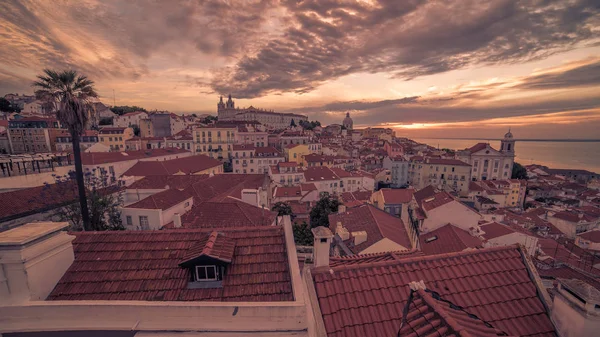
pixel 424 242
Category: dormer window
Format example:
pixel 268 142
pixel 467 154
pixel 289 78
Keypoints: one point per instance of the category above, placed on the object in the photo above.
pixel 206 273
pixel 207 261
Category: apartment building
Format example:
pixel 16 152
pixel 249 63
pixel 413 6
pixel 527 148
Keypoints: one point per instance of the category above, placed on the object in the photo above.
pixel 445 174
pixel 63 141
pixel 286 174
pixel 115 137
pixel 215 141
pixel 33 134
pixel 247 158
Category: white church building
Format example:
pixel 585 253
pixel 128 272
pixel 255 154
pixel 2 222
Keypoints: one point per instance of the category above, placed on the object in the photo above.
pixel 488 163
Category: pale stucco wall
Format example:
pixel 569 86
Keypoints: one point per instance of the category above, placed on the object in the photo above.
pixel 383 245
pixel 454 213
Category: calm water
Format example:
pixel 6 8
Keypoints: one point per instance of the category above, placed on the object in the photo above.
pixel 555 154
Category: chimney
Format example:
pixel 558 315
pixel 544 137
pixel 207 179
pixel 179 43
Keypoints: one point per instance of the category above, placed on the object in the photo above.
pixel 359 237
pixel 177 220
pixel 322 245
pixel 341 209
pixel 33 258
pixel 341 231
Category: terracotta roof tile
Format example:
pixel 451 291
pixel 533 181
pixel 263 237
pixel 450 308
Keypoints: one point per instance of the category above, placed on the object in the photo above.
pixel 162 200
pixel 96 158
pixel 447 239
pixel 437 200
pixel 227 213
pixel 493 230
pixel 493 284
pixel 215 246
pixel 186 165
pixel 424 193
pixel 144 266
pixel 430 315
pixel 397 196
pixel 221 186
pixel 593 236
pixel 377 223
pixel 172 181
pixel 319 173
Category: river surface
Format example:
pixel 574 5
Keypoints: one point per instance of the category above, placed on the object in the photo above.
pixel 552 153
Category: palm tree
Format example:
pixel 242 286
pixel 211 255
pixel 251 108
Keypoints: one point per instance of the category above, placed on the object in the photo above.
pixel 69 94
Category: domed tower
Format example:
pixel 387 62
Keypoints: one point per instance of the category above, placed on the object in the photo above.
pixel 230 104
pixel 348 123
pixel 221 104
pixel 507 145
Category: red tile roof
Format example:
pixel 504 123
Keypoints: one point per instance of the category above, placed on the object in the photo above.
pixel 374 257
pixel 477 147
pixel 377 223
pixel 357 195
pixel 443 161
pixel 430 315
pixel 186 165
pixel 437 200
pixel 593 236
pixel 220 186
pixel 112 129
pixel 97 158
pixel 448 239
pixel 341 172
pixel 494 284
pixel 172 181
pixel 319 173
pixel 494 230
pixel 308 187
pixel 397 196
pixel 474 186
pixel 227 213
pixel 162 200
pixel 267 150
pixel 288 191
pixel 242 147
pixel 568 272
pixel 144 265
pixel 20 203
pixel 424 193
pixel 216 246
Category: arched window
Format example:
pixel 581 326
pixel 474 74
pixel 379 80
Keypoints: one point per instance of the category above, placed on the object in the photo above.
pixel 508 147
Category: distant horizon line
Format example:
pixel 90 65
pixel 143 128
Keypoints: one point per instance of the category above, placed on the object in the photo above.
pixel 519 139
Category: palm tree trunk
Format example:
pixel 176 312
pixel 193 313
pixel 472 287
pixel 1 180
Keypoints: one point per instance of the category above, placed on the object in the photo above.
pixel 85 216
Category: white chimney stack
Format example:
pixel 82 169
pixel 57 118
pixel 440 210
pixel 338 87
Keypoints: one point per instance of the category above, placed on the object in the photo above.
pixel 341 209
pixel 341 231
pixel 359 237
pixel 177 220
pixel 33 258
pixel 322 244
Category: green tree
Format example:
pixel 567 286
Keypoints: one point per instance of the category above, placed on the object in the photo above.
pixel 5 106
pixel 282 208
pixel 69 95
pixel 319 215
pixel 303 236
pixel 104 201
pixel 292 123
pixel 123 109
pixel 309 125
pixel 518 171
pixel 210 119
pixel 136 130
pixel 105 121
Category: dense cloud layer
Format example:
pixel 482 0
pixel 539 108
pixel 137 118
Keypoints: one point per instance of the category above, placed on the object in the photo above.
pixel 256 48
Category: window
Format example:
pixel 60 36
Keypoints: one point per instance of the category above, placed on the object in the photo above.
pixel 129 220
pixel 206 273
pixel 144 222
pixel 187 204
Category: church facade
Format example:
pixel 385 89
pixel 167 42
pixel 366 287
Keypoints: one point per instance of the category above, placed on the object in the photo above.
pixel 488 163
pixel 276 120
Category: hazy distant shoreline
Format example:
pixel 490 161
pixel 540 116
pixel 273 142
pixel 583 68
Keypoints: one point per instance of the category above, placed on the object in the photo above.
pixel 521 140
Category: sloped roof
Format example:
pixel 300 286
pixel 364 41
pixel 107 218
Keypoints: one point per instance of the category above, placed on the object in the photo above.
pixel 144 266
pixel 319 173
pixel 430 315
pixel 173 181
pixel 221 186
pixel 373 257
pixel 446 161
pixel 424 193
pixel 186 165
pixel 397 196
pixel 377 223
pixel 97 158
pixel 216 246
pixel 477 147
pixel 162 200
pixel 447 239
pixel 593 236
pixel 493 230
pixel 568 272
pixel 494 284
pixel 437 200
pixel 227 213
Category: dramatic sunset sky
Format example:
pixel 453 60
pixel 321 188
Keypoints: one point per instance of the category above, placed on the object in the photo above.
pixel 428 68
